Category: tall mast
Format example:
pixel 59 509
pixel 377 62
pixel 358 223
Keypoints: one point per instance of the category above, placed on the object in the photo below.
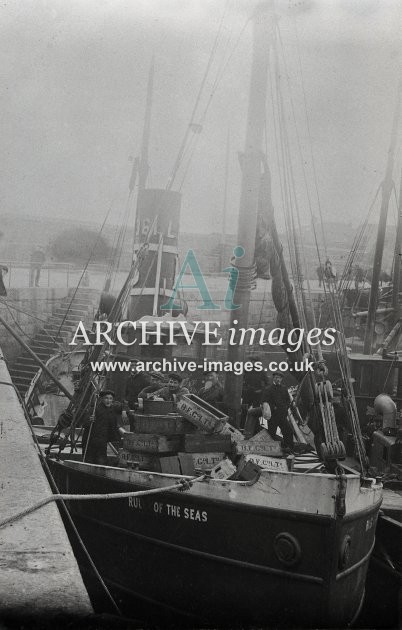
pixel 396 280
pixel 386 190
pixel 143 167
pixel 250 186
pixel 225 198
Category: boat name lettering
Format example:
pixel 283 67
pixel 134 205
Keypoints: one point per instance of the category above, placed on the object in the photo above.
pixel 178 511
pixel 135 502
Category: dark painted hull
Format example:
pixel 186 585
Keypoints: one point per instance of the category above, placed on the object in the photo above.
pixel 217 564
pixel 384 580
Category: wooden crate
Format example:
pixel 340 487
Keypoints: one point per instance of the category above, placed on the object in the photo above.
pixel 205 443
pixel 206 461
pixel 173 424
pixel 158 407
pixel 261 447
pixel 150 443
pixel 223 470
pixel 268 463
pixel 247 470
pixel 180 464
pixel 235 434
pixel 262 435
pixel 201 414
pixel 143 461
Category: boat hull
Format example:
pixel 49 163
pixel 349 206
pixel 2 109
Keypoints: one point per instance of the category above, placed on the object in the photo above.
pixel 198 560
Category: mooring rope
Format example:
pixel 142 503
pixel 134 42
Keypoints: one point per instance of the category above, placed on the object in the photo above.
pixel 181 485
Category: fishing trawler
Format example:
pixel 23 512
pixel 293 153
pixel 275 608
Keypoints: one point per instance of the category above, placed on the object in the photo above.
pixel 286 547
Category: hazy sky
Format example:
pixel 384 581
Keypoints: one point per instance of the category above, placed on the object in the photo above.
pixel 73 84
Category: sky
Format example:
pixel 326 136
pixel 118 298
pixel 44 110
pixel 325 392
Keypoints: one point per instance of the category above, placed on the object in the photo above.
pixel 73 88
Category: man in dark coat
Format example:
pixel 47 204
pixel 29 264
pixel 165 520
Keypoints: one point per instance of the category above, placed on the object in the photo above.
pixel 38 258
pixel 279 400
pixel 212 390
pixel 105 425
pixel 255 386
pixel 173 390
pixel 3 290
pixel 157 381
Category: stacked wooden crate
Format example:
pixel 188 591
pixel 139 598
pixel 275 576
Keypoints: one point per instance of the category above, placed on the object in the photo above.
pixel 153 439
pixel 207 450
pixel 213 444
pixel 196 438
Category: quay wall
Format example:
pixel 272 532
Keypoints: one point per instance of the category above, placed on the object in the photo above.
pixel 39 575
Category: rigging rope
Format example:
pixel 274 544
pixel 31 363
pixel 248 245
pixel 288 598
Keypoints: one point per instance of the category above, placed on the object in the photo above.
pixel 182 148
pixel 290 202
pixel 195 138
pixel 84 271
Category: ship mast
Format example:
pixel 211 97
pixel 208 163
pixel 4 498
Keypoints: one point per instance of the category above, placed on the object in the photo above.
pixel 386 190
pixel 250 187
pixel 225 199
pixel 143 167
pixel 396 289
pixel 141 164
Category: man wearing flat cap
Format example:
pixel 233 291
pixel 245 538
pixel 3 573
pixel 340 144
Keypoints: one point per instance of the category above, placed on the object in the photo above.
pixel 212 390
pixel 279 400
pixel 173 390
pixel 157 381
pixel 105 425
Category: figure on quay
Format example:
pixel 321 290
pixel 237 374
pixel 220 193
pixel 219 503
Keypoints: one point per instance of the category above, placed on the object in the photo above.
pixel 320 275
pixel 3 290
pixel 38 258
pixel 329 272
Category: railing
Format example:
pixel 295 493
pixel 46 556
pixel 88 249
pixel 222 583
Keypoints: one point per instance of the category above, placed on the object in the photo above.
pixel 23 274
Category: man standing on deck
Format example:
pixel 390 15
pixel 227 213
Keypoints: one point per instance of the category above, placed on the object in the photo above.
pixel 157 381
pixel 254 395
pixel 173 390
pixel 105 425
pixel 212 390
pixel 279 400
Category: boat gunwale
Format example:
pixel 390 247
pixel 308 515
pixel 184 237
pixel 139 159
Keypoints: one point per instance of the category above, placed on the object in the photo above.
pixel 169 476
pixel 326 519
